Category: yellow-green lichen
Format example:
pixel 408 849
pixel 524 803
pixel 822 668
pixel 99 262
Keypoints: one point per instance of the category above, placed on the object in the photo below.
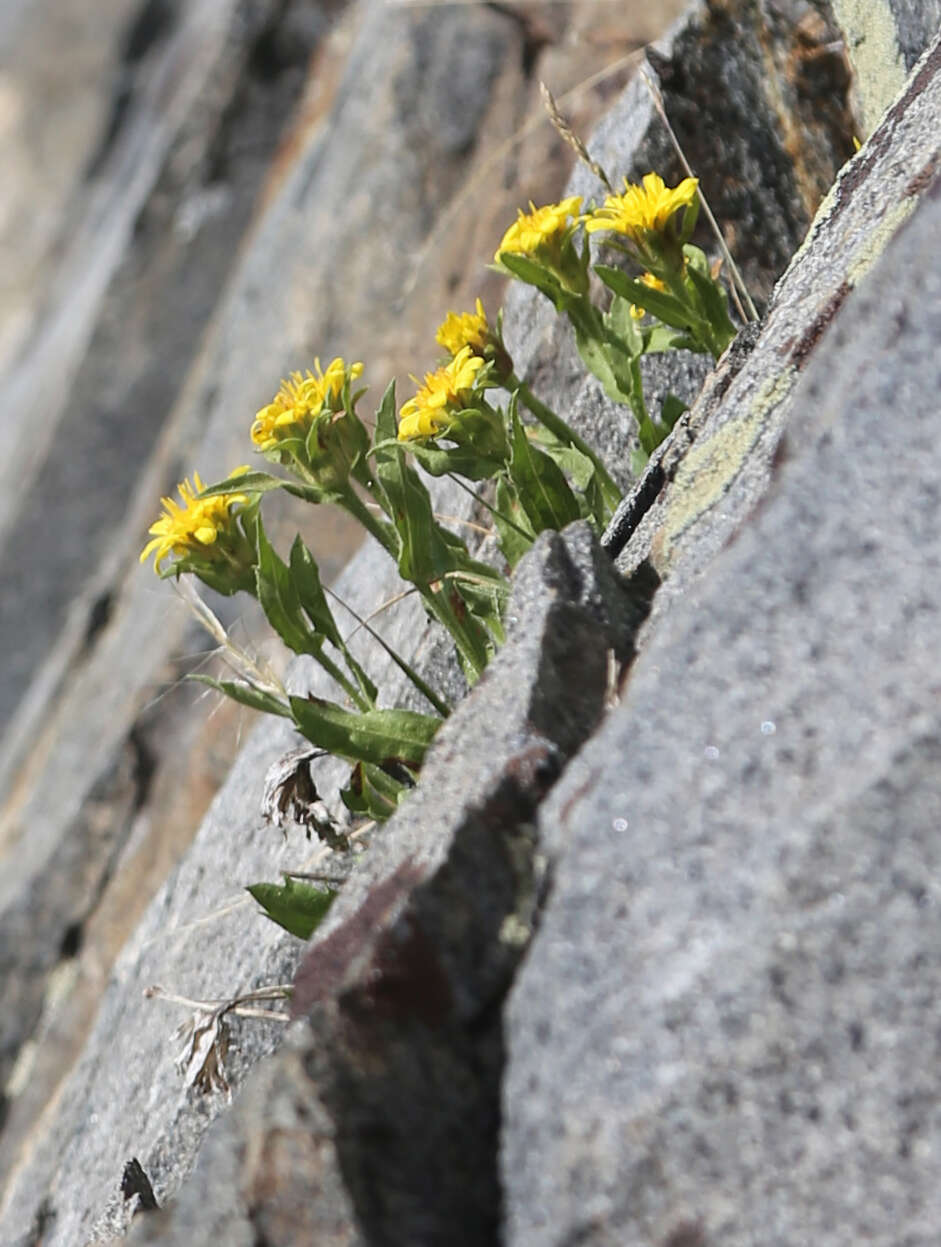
pixel 874 50
pixel 878 238
pixel 709 468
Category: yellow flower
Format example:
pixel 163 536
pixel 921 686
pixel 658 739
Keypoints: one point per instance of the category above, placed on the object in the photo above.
pixel 444 391
pixel 469 329
pixel 642 209
pixel 654 283
pixel 299 401
pixel 540 227
pixel 196 525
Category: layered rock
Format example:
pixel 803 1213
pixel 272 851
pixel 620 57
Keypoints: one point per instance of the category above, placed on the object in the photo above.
pixel 229 232
pixel 715 926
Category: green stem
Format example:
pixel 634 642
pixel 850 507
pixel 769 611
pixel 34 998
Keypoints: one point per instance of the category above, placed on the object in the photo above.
pixel 560 429
pixel 360 700
pixel 425 689
pixel 383 532
pixel 489 507
pixel 471 648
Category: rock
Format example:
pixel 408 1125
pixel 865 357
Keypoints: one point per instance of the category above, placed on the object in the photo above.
pixel 884 40
pixel 403 983
pixel 718 1035
pixel 749 116
pixel 398 1068
pixel 110 655
pixel 712 487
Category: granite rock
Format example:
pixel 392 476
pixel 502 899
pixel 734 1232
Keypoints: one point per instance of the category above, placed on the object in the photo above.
pixel 719 1033
pixel 883 40
pixel 401 1056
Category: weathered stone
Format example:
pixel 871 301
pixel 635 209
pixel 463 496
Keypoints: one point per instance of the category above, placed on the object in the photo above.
pixel 758 101
pixel 884 39
pixel 708 490
pixel 719 1032
pixel 403 983
pixel 267 1171
pixel 123 630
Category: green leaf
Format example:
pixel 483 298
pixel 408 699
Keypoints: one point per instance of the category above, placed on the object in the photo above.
pixel 665 307
pixel 535 274
pixel 513 543
pixel 713 302
pixel 372 792
pixel 376 736
pixel 671 409
pixel 424 556
pixel 540 485
pixel 661 338
pixel 622 325
pixel 246 483
pixel 297 906
pixel 244 693
pixel 280 601
pixel 305 577
pixel 463 460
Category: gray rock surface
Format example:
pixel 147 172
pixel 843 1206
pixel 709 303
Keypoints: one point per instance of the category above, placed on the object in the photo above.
pixel 378 1121
pixel 884 39
pixel 750 121
pixel 712 485
pixel 107 767
pixel 404 981
pixel 721 1032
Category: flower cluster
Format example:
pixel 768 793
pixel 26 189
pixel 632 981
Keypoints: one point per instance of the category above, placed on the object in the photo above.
pixel 299 402
pixel 204 527
pixel 469 329
pixel 642 210
pixel 541 230
pixel 445 392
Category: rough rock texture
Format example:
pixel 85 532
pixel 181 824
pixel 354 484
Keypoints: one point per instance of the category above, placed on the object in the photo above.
pixel 713 484
pixel 202 937
pixel 759 103
pixel 724 1021
pixel 884 39
pixel 403 983
pixel 237 185
pixel 378 1121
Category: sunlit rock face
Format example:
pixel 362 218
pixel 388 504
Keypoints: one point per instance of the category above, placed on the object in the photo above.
pixel 649 956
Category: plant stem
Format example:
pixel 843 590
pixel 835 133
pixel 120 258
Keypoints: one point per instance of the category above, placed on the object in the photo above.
pixel 424 688
pixel 560 429
pixel 489 506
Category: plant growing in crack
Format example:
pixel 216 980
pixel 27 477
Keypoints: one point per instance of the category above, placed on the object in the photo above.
pixel 473 420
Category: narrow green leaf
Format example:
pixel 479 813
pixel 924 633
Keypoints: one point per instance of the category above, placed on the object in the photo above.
pixel 464 460
pixel 372 792
pixel 540 485
pixel 297 906
pixel 535 274
pixel 664 306
pixel 713 301
pixel 246 483
pixel 671 409
pixel 245 694
pixel 370 736
pixel 279 599
pixel 660 338
pixel 305 576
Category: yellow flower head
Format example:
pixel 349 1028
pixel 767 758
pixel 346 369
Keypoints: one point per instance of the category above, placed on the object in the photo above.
pixel 642 209
pixel 446 390
pixel 193 525
pixel 654 283
pixel 469 329
pixel 299 401
pixel 541 228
